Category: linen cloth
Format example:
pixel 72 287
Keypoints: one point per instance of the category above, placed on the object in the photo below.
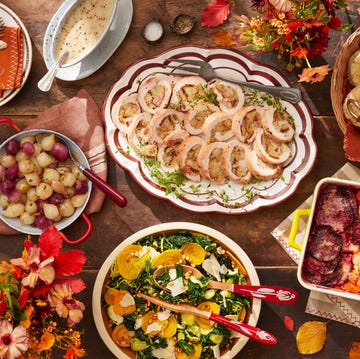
pixel 79 118
pixel 323 305
pixel 11 59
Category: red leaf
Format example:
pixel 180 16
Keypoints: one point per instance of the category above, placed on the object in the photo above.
pixel 215 13
pixel 50 242
pixel 76 284
pixel 289 323
pixel 69 263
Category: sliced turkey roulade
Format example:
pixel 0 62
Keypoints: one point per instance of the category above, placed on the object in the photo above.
pixel 245 123
pixel 229 96
pixel 217 127
pixel 188 91
pixel 123 111
pixel 233 160
pixel 261 169
pixel 209 161
pixel 164 122
pixel 154 93
pixel 138 135
pixel 278 125
pixel 188 153
pixel 195 118
pixel 270 151
pixel 168 151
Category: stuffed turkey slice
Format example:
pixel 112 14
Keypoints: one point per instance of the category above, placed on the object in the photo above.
pixel 195 118
pixel 154 93
pixel 246 121
pixel 188 154
pixel 278 125
pixel 209 161
pixel 123 111
pixel 164 122
pixel 168 151
pixel 229 96
pixel 233 160
pixel 187 92
pixel 261 169
pixel 217 127
pixel 270 151
pixel 138 135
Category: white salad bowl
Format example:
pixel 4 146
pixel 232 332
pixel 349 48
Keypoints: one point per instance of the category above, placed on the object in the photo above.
pixel 99 312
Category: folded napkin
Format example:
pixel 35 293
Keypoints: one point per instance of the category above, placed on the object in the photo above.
pixel 80 119
pixel 11 58
pixel 352 142
pixel 323 305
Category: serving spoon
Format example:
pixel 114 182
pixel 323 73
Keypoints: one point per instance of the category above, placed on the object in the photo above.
pixel 111 192
pixel 250 331
pixel 276 294
pixel 46 81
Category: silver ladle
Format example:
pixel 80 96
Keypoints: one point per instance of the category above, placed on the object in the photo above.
pixel 46 81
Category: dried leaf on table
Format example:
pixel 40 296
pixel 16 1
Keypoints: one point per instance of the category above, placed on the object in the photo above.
pixel 289 323
pixel 314 74
pixel 216 13
pixel 311 337
pixel 222 38
pixel 354 352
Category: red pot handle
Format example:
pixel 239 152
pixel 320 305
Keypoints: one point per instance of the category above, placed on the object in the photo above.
pixel 84 237
pixel 11 123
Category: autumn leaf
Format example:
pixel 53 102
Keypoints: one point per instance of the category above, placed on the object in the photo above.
pixel 215 13
pixel 288 323
pixel 354 352
pixel 314 74
pixel 222 38
pixel 311 337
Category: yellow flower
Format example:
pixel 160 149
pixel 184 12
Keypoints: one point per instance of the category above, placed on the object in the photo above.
pixel 46 342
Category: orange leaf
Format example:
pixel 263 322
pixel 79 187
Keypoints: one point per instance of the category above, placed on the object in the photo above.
pixel 354 352
pixel 222 38
pixel 215 13
pixel 314 74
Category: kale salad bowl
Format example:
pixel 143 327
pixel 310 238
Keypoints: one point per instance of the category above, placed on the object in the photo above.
pixel 133 327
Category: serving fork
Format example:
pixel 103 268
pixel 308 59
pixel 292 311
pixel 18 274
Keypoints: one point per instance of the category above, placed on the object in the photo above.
pixel 206 71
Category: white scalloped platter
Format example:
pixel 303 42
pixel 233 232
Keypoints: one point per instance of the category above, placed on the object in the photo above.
pixel 230 198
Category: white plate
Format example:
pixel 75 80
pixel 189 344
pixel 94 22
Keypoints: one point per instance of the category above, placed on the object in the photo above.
pixel 101 53
pixel 228 199
pixel 11 19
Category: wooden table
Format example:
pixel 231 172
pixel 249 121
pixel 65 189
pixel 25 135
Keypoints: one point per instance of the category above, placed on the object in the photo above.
pixel 252 231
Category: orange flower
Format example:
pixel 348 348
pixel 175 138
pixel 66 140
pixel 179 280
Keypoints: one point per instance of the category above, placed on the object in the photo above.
pixel 46 342
pixel 75 352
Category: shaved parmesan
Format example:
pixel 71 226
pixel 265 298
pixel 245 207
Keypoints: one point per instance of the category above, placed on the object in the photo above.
pixel 216 351
pixel 153 327
pixel 127 300
pixel 176 287
pixel 165 314
pixel 212 266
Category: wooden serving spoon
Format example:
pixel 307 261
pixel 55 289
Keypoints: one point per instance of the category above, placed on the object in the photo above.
pixel 274 294
pixel 250 331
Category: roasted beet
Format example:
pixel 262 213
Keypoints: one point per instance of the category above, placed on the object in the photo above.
pixel 337 207
pixel 324 243
pixel 312 264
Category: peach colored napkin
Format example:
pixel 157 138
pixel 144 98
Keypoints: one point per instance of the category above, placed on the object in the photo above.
pixel 327 306
pixel 11 59
pixel 80 119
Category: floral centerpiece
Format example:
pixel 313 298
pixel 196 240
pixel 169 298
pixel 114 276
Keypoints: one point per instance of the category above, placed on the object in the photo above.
pixel 297 30
pixel 37 308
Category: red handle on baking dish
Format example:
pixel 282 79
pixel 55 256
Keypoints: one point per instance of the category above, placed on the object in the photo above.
pixel 251 332
pixel 84 237
pixel 10 122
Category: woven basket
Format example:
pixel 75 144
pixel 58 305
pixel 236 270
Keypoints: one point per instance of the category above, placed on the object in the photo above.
pixel 340 85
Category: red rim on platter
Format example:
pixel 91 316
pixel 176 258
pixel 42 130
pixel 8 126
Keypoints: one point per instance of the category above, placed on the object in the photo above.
pixel 229 198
